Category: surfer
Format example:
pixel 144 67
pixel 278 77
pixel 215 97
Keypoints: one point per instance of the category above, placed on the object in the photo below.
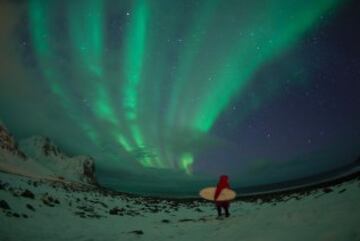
pixel 223 183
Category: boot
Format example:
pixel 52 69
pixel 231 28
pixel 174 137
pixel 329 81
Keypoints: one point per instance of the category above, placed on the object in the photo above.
pixel 219 211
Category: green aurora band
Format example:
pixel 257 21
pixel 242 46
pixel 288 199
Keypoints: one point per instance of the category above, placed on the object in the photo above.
pixel 208 59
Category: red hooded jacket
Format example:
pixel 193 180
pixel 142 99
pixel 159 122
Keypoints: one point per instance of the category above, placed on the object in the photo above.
pixel 223 183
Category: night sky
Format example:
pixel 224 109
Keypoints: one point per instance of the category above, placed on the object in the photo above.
pixel 172 94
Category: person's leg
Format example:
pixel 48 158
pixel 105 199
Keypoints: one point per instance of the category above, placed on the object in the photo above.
pixel 218 207
pixel 226 207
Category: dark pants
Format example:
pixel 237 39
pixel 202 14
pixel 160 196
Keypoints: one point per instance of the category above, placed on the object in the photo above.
pixel 223 205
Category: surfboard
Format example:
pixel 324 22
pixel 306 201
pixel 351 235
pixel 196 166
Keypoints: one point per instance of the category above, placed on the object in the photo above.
pixel 225 195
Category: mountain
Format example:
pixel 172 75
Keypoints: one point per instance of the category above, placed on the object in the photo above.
pixel 45 152
pixel 13 160
pixel 40 157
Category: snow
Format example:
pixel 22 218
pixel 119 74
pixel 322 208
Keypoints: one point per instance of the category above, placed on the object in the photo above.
pixel 83 213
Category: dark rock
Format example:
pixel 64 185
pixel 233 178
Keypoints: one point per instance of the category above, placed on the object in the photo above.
pixel 28 194
pixel 86 208
pixel 8 143
pixel 89 171
pixel 30 207
pixel 25 216
pixel 343 190
pixel 186 220
pixel 50 149
pixel 48 204
pixel 117 211
pixel 49 201
pixel 4 205
pixel 139 232
pixel 16 215
pixel 327 190
pixel 198 210
pixel 165 221
pixel 46 201
pixel 3 185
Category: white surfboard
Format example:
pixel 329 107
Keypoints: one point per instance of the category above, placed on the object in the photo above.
pixel 225 195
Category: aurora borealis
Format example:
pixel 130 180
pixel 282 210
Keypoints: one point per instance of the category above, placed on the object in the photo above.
pixel 168 85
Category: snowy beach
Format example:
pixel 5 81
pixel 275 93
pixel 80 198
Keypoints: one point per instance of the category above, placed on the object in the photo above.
pixel 33 209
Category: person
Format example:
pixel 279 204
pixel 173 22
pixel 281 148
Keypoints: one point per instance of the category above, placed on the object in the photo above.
pixel 222 184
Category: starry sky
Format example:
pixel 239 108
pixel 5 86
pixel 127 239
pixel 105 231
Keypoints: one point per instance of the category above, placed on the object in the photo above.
pixel 168 95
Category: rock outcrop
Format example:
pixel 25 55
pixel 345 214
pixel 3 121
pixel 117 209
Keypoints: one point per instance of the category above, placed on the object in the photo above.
pixel 7 143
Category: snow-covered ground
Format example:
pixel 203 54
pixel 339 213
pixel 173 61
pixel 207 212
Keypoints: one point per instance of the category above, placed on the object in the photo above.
pixel 33 209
